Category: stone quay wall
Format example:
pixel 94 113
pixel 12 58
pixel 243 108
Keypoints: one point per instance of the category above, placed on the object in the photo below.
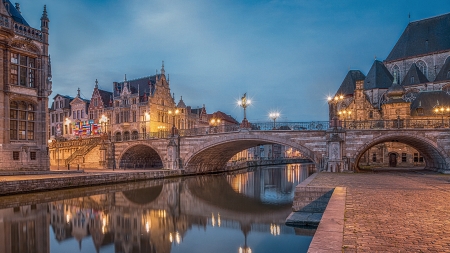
pixel 79 180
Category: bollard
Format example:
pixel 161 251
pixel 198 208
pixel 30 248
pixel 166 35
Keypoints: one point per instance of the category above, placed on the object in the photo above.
pixel 68 166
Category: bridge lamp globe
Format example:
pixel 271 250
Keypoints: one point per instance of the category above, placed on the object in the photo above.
pixel 274 116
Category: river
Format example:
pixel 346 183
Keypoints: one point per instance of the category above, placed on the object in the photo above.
pixel 241 211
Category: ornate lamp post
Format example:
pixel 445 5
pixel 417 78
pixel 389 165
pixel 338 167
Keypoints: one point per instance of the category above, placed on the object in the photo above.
pixel 274 116
pixel 244 102
pixel 173 113
pixel 440 109
pixel 334 101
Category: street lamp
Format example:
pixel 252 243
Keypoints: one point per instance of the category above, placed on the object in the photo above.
pixel 335 101
pixel 214 122
pixel 244 102
pixel 274 116
pixel 173 113
pixel 68 126
pixel 441 110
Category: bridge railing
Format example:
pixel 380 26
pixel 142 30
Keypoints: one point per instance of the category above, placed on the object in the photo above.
pixel 395 124
pixel 294 126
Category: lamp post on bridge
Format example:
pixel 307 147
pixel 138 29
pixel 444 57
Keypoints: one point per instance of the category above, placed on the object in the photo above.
pixel 244 102
pixel 214 122
pixel 274 116
pixel 334 101
pixel 173 113
pixel 440 109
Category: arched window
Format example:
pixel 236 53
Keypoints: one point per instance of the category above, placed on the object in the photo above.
pixel 22 121
pixel 396 72
pixel 126 136
pixel 423 67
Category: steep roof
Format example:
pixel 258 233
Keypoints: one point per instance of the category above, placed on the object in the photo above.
pixel 414 76
pixel 428 100
pixel 105 96
pixel 378 77
pixel 144 85
pixel 15 14
pixel 423 37
pixel 348 86
pixel 444 73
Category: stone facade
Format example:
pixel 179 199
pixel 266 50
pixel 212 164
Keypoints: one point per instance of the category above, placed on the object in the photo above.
pixel 413 83
pixel 26 85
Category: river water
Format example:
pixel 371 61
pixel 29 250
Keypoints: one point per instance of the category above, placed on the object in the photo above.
pixel 242 211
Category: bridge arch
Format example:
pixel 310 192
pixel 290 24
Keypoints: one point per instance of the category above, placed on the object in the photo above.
pixel 215 154
pixel 140 156
pixel 434 155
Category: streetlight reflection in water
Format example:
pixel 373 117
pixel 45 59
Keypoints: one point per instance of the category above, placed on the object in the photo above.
pixel 241 211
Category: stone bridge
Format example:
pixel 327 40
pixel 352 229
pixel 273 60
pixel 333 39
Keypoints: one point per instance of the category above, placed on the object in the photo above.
pixel 333 149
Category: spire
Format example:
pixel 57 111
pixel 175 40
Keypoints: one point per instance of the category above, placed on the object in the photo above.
pixel 44 17
pixel 125 77
pixel 18 7
pixel 78 95
pixel 163 72
pixel 96 83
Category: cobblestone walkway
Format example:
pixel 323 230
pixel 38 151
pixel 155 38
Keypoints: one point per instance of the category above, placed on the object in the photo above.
pixel 394 210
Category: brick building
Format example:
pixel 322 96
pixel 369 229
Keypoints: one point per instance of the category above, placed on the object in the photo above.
pixel 26 84
pixel 412 84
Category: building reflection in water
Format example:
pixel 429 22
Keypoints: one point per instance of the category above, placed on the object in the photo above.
pixel 157 216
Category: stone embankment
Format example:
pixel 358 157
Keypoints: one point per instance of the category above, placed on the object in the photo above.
pixel 23 182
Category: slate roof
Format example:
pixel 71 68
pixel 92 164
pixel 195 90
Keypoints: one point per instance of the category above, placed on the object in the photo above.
pixel 15 14
pixel 144 85
pixel 428 100
pixel 423 37
pixel 105 96
pixel 378 77
pixel 444 73
pixel 414 76
pixel 348 86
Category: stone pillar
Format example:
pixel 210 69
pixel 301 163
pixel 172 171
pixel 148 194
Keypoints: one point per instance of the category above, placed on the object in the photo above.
pixel 172 154
pixel 334 152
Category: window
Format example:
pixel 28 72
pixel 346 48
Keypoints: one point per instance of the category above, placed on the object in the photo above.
pixel 412 80
pixel 32 155
pixel 448 74
pixel 16 155
pixel 61 104
pixel 370 114
pixel 95 102
pixel 396 73
pixel 423 67
pixel 53 118
pixel 374 157
pixel 23 70
pixel 419 111
pixel 21 121
pixel 416 157
pixel 61 117
pixel 134 116
pixel 91 115
pixel 403 157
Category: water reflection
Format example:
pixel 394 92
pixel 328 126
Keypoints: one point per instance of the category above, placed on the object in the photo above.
pixel 234 212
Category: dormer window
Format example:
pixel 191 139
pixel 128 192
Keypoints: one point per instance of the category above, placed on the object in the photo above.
pixel 419 111
pixel 412 80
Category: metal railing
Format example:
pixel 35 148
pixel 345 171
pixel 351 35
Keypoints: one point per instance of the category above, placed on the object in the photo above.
pixel 394 124
pixel 294 126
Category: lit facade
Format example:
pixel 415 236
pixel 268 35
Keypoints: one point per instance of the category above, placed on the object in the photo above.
pixel 26 82
pixel 413 83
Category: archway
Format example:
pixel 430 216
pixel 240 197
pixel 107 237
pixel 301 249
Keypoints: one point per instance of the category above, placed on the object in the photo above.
pixel 214 155
pixel 143 196
pixel 433 155
pixel 140 157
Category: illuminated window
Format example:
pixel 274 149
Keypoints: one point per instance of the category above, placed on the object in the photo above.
pixel 23 70
pixel 22 117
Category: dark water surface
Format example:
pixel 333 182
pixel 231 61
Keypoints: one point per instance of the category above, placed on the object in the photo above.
pixel 241 211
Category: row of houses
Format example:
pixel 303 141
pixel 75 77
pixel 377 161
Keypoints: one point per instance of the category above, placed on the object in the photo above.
pixel 139 106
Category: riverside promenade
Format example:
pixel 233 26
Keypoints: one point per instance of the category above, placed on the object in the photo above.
pixel 386 210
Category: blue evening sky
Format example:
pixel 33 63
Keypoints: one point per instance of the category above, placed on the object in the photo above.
pixel 287 55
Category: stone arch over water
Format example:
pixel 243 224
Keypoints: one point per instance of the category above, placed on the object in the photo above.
pixel 140 156
pixel 215 154
pixel 434 156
